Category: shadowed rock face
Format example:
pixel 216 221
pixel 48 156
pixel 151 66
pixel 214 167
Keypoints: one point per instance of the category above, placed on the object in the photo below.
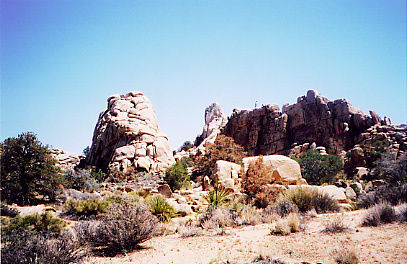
pixel 313 118
pixel 127 137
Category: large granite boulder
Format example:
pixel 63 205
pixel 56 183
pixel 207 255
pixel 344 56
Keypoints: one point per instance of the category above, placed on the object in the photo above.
pixel 215 119
pixel 283 170
pixel 127 137
pixel 313 118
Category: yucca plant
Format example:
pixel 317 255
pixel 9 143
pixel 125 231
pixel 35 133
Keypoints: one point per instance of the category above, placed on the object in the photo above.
pixel 216 197
pixel 161 208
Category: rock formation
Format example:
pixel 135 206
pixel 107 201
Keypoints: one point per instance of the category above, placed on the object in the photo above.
pixel 65 160
pixel 313 118
pixel 127 137
pixel 215 119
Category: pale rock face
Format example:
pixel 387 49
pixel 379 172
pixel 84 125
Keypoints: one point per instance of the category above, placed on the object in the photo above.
pixel 282 169
pixel 335 192
pixel 226 174
pixel 127 137
pixel 215 119
pixel 65 160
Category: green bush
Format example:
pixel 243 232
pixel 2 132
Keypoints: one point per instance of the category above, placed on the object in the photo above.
pixel 216 197
pixel 318 169
pixel 77 209
pixel 306 199
pixel 186 145
pixel 28 171
pixel 161 208
pixel 34 224
pixel 120 231
pixel 177 176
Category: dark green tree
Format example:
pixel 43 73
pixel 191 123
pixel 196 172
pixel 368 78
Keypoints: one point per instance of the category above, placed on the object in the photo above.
pixel 318 169
pixel 177 176
pixel 28 171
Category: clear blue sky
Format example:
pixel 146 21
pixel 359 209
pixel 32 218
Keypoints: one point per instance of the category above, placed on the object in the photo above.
pixel 61 59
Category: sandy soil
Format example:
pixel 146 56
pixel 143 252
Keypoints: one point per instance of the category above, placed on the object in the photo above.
pixel 384 244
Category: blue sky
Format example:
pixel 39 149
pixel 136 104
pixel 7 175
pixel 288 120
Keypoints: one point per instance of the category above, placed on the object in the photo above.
pixel 60 60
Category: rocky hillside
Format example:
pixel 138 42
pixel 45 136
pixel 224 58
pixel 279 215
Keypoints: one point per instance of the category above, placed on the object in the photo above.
pixel 336 125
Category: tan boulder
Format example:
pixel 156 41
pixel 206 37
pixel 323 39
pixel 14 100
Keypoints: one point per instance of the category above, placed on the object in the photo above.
pixel 225 170
pixel 282 169
pixel 335 192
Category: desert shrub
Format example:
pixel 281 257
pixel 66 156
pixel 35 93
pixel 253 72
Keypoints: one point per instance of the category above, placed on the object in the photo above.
pixel 235 215
pixel 373 151
pixel 318 169
pixel 281 227
pixel 8 211
pixel 25 247
pixel 256 184
pixel 307 199
pixel 324 203
pixel 335 225
pixel 293 222
pixel 34 224
pixel 393 171
pixel 144 193
pixel 80 179
pixel 186 145
pixel 90 208
pixel 403 213
pixel 379 214
pixel 282 208
pixel 224 148
pixel 119 231
pixel 343 255
pixel 385 193
pixel 161 208
pixel 176 176
pixel 189 229
pixel 301 197
pixel 216 197
pixel 267 260
pixel 28 171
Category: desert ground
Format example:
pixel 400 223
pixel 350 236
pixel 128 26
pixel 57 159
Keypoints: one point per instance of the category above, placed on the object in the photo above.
pixel 382 244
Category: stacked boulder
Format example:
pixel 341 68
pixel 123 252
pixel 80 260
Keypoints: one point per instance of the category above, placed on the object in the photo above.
pixel 127 137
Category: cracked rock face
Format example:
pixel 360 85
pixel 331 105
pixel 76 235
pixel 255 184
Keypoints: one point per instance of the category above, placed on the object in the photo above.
pixel 215 119
pixel 266 130
pixel 127 137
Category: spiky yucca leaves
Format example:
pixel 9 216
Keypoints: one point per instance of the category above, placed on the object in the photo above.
pixel 216 197
pixel 161 208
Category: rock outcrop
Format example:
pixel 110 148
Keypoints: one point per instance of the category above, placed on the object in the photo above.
pixel 127 137
pixel 266 130
pixel 215 119
pixel 65 160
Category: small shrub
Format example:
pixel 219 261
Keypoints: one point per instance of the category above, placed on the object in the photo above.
pixel 176 176
pixel 307 199
pixel 81 179
pixel 8 211
pixel 145 193
pixel 188 229
pixel 185 146
pixel 301 197
pixel 267 260
pixel 385 193
pixel 293 222
pixel 256 184
pixel 216 197
pixel 379 214
pixel 161 208
pixel 403 214
pixel 86 209
pixel 344 255
pixel 283 208
pixel 25 247
pixel 34 224
pixel 335 226
pixel 324 203
pixel 281 227
pixel 121 230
